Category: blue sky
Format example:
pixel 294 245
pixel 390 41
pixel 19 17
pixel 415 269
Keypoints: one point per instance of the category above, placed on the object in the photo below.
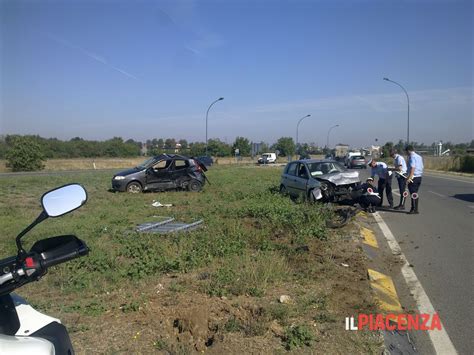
pixel 149 69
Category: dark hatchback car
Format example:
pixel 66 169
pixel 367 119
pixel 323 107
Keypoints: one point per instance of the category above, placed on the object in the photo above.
pixel 357 161
pixel 161 173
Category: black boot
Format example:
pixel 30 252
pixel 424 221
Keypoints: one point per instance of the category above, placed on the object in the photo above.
pixel 414 209
pixel 401 205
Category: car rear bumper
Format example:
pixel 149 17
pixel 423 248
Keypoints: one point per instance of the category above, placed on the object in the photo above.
pixel 358 165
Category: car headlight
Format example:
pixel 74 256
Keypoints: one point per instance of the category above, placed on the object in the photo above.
pixel 119 177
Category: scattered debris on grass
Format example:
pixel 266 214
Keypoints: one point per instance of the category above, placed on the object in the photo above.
pixel 159 204
pixel 167 226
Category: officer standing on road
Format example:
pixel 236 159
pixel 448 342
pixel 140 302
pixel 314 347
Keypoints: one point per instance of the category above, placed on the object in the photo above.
pixel 401 167
pixel 385 179
pixel 415 172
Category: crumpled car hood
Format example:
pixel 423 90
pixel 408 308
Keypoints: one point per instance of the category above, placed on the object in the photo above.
pixel 344 178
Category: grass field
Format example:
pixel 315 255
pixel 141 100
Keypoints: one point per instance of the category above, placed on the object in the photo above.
pixel 213 290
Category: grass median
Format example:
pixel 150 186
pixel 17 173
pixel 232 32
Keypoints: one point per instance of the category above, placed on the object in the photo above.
pixel 215 289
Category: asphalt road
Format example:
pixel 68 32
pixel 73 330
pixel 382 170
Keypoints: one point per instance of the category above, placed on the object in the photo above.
pixel 439 242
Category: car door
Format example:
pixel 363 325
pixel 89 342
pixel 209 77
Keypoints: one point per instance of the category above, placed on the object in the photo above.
pixel 179 172
pixel 301 180
pixel 289 178
pixel 158 177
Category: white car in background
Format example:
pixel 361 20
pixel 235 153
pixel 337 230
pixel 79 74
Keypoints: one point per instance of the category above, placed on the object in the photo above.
pixel 267 158
pixel 348 157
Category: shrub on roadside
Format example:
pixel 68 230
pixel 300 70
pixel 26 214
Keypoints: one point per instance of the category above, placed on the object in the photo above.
pixel 467 164
pixel 25 154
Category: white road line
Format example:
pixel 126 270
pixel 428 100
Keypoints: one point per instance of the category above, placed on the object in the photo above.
pixel 439 338
pixel 437 194
pixel 447 178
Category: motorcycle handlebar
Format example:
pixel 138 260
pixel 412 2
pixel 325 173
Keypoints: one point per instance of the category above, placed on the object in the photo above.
pixel 44 254
pixel 81 251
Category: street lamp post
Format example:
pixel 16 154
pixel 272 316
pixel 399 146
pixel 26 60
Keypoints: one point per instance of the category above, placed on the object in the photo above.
pixel 329 131
pixel 207 114
pixel 297 126
pixel 408 101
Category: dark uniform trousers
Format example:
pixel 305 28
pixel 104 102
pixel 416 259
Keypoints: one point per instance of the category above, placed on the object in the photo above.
pixel 402 183
pixel 386 184
pixel 414 187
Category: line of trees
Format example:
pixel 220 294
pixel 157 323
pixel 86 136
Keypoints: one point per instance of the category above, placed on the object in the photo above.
pixel 53 148
pixel 455 149
pixel 29 152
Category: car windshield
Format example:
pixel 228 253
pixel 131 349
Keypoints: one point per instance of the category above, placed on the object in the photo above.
pixel 357 157
pixel 323 168
pixel 146 164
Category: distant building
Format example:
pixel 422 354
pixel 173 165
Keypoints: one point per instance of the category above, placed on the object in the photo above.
pixel 374 151
pixel 341 150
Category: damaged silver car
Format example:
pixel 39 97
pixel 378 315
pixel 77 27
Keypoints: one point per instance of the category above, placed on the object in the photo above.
pixel 318 180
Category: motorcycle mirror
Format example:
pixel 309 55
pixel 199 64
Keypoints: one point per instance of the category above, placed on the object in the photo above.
pixel 56 202
pixel 63 200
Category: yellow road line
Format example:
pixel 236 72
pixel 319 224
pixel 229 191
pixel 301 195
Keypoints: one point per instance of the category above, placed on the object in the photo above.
pixel 385 293
pixel 369 237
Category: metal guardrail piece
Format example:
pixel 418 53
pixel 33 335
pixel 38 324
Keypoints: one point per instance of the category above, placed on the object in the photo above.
pixel 147 226
pixel 166 226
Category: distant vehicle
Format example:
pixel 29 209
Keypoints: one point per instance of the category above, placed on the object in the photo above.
pixel 312 179
pixel 349 156
pixel 206 160
pixel 304 155
pixel 357 161
pixel 267 158
pixel 161 173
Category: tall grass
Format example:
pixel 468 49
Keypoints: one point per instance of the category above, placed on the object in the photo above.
pixel 245 222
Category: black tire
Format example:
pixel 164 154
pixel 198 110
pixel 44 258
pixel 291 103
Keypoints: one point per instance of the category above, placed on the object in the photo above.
pixel 134 187
pixel 194 186
pixel 339 218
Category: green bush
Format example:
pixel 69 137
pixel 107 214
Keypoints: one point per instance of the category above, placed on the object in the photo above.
pixel 298 336
pixel 467 164
pixel 25 154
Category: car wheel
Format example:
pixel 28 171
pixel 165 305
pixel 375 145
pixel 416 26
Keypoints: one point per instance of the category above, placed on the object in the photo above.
pixel 134 187
pixel 194 186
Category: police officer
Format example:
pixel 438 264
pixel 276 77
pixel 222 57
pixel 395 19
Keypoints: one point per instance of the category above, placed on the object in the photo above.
pixel 415 172
pixel 401 167
pixel 369 196
pixel 385 179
